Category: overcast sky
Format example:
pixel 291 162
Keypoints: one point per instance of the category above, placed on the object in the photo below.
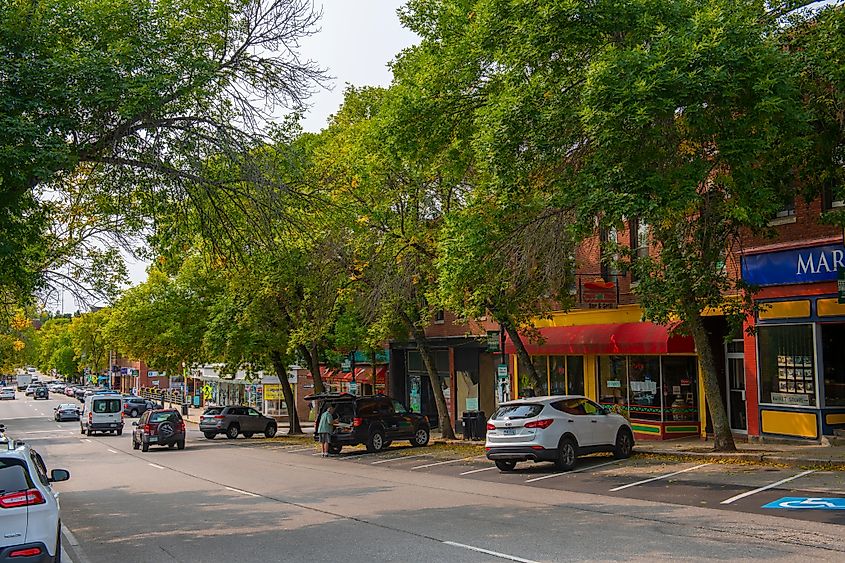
pixel 356 41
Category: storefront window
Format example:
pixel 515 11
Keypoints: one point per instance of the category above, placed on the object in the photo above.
pixel 680 388
pixel 529 387
pixel 613 380
pixel 833 354
pixel 643 385
pixel 557 374
pixel 787 372
pixel 575 375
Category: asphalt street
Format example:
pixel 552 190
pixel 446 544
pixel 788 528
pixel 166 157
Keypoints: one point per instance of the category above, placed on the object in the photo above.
pixel 252 500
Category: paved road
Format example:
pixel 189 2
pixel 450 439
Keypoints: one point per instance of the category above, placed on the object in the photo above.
pixel 250 500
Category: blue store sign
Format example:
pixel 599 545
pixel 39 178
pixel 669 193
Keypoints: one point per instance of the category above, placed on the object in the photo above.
pixel 803 265
pixel 808 503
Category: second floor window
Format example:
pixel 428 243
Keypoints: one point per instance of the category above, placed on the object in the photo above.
pixel 609 262
pixel 832 199
pixel 639 242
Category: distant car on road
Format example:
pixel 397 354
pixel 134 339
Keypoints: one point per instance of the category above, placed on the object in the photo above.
pixel 162 427
pixel 135 406
pixel 102 413
pixel 66 411
pixel 555 428
pixel 7 393
pixel 30 389
pixel 41 392
pixel 375 421
pixel 29 509
pixel 233 420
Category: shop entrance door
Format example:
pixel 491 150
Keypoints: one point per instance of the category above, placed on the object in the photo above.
pixel 735 371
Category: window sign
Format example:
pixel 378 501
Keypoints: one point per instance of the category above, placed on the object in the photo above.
pixel 840 282
pixel 803 265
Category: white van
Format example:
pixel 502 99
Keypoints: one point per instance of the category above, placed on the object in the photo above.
pixel 103 412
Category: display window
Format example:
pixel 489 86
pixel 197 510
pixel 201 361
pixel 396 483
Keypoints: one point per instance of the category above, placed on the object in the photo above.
pixel 833 358
pixel 558 375
pixel 787 365
pixel 680 388
pixel 644 387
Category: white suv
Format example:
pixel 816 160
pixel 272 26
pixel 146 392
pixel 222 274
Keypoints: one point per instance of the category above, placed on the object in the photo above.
pixel 29 509
pixel 558 429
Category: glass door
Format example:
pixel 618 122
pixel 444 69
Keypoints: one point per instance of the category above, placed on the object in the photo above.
pixel 735 358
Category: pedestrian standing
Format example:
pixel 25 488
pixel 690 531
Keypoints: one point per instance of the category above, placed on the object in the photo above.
pixel 325 427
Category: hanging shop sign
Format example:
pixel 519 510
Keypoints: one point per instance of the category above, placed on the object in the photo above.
pixel 599 293
pixel 493 340
pixel 802 265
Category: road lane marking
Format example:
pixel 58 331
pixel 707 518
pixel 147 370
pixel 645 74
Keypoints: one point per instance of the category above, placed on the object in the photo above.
pixel 398 458
pixel 659 477
pixel 582 469
pixel 478 470
pixel 154 465
pixel 86 440
pixel 112 451
pixel 443 462
pixel 247 493
pixel 766 487
pixel 489 552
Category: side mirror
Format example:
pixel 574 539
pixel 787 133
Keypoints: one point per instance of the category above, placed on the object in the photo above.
pixel 59 475
pixel 135 423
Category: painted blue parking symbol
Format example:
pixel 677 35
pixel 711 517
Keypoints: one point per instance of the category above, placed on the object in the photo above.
pixel 808 503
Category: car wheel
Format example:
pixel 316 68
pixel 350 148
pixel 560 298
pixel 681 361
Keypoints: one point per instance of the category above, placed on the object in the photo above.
pixel 270 431
pixel 232 431
pixel 145 447
pixel 134 413
pixel 209 435
pixel 335 448
pixel 248 434
pixel 180 445
pixel 375 443
pixel 171 445
pixel 624 444
pixel 505 464
pixel 567 454
pixel 421 437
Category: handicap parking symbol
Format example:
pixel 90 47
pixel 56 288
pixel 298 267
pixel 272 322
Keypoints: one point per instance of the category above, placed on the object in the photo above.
pixel 808 503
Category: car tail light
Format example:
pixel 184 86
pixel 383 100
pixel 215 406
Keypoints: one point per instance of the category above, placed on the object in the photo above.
pixel 182 426
pixel 537 448
pixel 90 417
pixel 28 552
pixel 490 426
pixel 357 421
pixel 545 423
pixel 147 429
pixel 219 417
pixel 21 498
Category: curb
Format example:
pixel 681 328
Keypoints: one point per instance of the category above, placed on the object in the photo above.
pixel 767 458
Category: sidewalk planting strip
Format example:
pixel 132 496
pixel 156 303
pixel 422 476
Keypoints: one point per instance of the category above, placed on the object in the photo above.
pixel 659 477
pixel 765 488
pixel 574 471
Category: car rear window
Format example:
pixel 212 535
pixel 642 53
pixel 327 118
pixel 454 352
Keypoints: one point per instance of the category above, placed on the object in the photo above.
pixel 106 405
pixel 214 410
pixel 14 476
pixel 522 410
pixel 169 416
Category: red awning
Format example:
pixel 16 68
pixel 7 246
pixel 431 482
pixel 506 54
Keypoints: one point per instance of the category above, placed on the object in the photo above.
pixel 623 339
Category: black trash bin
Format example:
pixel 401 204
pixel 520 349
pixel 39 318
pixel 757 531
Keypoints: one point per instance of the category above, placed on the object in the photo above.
pixel 475 425
pixel 185 409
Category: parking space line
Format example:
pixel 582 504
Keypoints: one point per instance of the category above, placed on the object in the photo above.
pixel 247 493
pixel 766 487
pixel 299 450
pixel 388 460
pixel 489 552
pixel 154 465
pixel 112 451
pixel 444 462
pixel 478 470
pixel 582 469
pixel 659 477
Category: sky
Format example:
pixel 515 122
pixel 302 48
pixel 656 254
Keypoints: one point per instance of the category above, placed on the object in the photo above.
pixel 357 39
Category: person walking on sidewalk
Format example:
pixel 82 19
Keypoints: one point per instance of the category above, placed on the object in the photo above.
pixel 325 427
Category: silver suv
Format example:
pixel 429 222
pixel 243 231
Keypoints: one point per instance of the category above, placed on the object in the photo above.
pixel 29 509
pixel 234 420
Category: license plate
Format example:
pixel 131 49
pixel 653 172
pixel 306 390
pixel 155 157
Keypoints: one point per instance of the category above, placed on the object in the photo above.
pixel 509 431
pixel 153 438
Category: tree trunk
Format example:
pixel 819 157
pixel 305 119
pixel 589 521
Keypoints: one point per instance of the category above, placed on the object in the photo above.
pixel 281 371
pixel 420 338
pixel 312 358
pixel 521 353
pixel 723 438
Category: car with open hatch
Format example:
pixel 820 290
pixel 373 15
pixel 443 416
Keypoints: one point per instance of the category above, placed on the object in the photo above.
pixel 232 420
pixel 30 518
pixel 373 420
pixel 159 427
pixel 556 428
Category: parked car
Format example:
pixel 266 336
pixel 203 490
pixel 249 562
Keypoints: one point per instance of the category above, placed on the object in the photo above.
pixel 233 420
pixel 162 427
pixel 79 393
pixel 29 509
pixel 135 406
pixel 66 411
pixel 375 421
pixel 556 428
pixel 102 413
pixel 30 389
pixel 41 393
pixel 69 391
pixel 7 393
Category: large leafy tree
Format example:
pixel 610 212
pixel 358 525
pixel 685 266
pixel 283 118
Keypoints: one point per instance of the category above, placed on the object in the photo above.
pixel 142 95
pixel 56 348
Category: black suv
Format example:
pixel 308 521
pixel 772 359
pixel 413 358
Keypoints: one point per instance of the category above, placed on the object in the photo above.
pixel 375 421
pixel 156 427
pixel 41 393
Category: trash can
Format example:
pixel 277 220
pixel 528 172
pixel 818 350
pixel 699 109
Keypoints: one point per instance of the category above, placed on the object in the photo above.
pixel 185 409
pixel 475 425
